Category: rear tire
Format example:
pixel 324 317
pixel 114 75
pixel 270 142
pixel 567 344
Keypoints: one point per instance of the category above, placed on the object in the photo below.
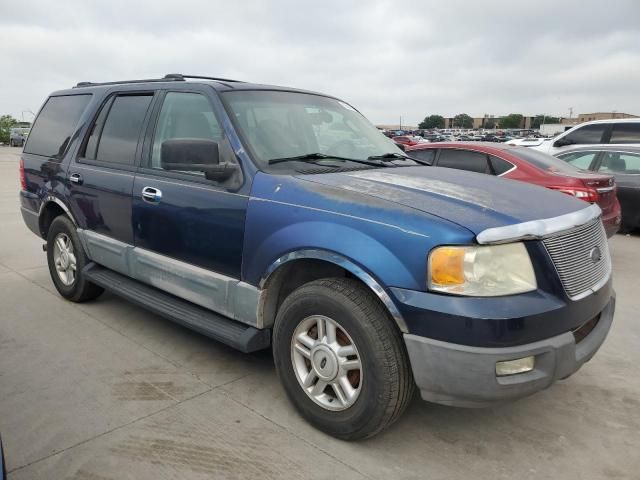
pixel 66 259
pixel 363 334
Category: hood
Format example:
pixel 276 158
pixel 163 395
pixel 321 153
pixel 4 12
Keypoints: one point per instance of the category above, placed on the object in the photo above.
pixel 472 200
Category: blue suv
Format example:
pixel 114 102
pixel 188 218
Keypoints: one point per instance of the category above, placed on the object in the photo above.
pixel 266 216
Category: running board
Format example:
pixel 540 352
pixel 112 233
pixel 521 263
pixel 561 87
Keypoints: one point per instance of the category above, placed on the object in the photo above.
pixel 235 334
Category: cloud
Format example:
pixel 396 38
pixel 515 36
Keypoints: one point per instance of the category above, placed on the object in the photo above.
pixel 385 58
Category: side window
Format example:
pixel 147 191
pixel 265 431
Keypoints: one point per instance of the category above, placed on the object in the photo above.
pixel 55 124
pixel 427 155
pixel 184 115
pixel 625 133
pixel 589 134
pixel 499 165
pixel 582 160
pixel 620 162
pixel 463 160
pixel 118 140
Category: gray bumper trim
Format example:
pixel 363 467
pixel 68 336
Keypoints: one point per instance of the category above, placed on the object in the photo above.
pixel 464 376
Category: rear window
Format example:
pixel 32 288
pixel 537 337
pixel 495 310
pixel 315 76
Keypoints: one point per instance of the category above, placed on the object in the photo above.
pixel 463 160
pixel 55 124
pixel 543 161
pixel 426 155
pixel 625 133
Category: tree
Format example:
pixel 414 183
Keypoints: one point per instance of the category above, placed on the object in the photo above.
pixel 6 122
pixel 432 121
pixel 539 119
pixel 490 123
pixel 513 120
pixel 462 120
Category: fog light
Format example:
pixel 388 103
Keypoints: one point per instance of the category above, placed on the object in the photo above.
pixel 511 367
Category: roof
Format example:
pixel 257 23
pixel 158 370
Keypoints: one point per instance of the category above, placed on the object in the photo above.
pixel 619 147
pixel 219 84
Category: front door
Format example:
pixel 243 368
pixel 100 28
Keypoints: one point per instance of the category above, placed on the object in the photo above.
pixel 188 229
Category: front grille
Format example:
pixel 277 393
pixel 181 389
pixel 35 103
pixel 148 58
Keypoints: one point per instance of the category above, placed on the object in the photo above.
pixel 575 255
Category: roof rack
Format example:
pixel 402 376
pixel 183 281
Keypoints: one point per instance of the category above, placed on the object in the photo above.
pixel 181 76
pixel 170 77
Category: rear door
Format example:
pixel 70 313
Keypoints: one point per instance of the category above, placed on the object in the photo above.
pixel 101 176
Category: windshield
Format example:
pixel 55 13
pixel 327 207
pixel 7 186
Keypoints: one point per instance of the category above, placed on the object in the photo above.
pixel 278 125
pixel 543 161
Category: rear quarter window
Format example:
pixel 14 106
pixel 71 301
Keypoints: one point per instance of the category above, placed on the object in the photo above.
pixel 56 122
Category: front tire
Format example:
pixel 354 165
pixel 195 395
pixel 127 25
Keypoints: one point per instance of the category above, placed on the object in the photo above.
pixel 341 359
pixel 66 259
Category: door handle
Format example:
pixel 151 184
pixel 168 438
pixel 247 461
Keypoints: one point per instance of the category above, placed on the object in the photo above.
pixel 75 178
pixel 151 195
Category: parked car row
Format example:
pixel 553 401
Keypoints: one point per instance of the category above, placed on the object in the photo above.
pixel 524 164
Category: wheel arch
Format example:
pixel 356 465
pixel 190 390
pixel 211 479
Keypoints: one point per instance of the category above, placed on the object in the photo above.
pixel 50 208
pixel 312 264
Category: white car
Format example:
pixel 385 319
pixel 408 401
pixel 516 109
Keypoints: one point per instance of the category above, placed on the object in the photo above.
pixel 617 131
pixel 526 142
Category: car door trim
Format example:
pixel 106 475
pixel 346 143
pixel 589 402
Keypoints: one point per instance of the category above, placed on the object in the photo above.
pixel 225 295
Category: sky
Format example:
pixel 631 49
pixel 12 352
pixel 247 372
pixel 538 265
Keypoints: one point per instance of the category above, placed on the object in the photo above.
pixel 388 59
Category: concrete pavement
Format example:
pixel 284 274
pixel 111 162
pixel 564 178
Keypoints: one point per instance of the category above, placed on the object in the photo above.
pixel 105 390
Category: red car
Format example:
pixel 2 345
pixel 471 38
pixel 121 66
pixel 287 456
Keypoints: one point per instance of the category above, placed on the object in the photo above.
pixel 527 165
pixel 405 140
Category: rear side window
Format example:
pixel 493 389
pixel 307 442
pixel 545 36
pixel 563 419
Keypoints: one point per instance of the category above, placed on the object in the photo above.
pixel 625 133
pixel 426 155
pixel 620 162
pixel 115 133
pixel 582 160
pixel 589 134
pixel 499 165
pixel 463 160
pixel 55 124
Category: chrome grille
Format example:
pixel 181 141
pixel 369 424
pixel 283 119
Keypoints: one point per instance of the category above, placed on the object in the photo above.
pixel 573 253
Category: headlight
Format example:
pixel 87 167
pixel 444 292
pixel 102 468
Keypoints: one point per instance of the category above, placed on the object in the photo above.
pixel 481 271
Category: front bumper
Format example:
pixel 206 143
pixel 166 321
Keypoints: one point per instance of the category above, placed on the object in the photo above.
pixel 464 376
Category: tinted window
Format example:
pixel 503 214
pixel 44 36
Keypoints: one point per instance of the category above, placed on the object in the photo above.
pixel 426 155
pixel 463 160
pixel 499 165
pixel 620 162
pixel 55 124
pixel 625 133
pixel 96 129
pixel 582 160
pixel 543 161
pixel 184 115
pixel 587 134
pixel 119 138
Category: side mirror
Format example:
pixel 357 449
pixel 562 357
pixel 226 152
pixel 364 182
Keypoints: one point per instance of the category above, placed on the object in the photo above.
pixel 194 155
pixel 562 142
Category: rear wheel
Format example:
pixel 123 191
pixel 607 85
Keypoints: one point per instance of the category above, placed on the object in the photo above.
pixel 341 359
pixel 66 259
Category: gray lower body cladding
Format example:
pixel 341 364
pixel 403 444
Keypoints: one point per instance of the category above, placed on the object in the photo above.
pixel 465 376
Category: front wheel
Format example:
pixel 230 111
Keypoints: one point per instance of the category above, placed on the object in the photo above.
pixel 341 359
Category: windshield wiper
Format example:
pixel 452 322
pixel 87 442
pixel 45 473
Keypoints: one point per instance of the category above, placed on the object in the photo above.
pixel 396 156
pixel 322 156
